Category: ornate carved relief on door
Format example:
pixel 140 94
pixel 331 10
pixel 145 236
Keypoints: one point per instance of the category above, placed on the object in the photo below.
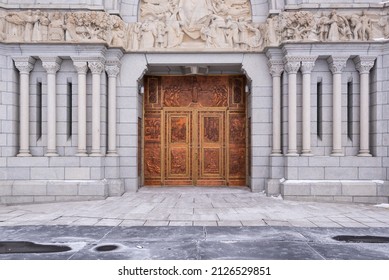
pixel 195 130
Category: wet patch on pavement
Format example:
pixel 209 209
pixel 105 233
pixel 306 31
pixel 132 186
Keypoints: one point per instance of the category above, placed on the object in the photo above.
pixel 24 247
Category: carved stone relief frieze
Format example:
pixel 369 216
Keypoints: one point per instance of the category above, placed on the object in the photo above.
pixel 183 25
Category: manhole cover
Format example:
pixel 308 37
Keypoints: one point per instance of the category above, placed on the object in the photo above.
pixel 106 248
pixel 23 247
pixel 361 239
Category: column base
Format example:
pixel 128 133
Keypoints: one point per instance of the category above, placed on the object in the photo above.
pixel 81 154
pixel 276 155
pixel 337 154
pixel 96 154
pixel 307 154
pixel 24 154
pixel 364 154
pixel 51 154
pixel 292 154
pixel 112 154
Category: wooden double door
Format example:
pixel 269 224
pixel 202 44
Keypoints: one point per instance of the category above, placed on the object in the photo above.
pixel 195 131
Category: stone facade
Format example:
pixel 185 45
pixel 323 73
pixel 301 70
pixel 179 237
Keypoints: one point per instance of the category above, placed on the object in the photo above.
pixel 71 82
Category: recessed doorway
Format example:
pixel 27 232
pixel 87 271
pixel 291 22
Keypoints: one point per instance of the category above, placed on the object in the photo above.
pixel 195 131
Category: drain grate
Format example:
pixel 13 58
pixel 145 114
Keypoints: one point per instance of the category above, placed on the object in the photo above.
pixel 361 239
pixel 106 248
pixel 24 247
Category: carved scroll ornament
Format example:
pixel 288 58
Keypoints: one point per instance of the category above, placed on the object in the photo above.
pixel 192 24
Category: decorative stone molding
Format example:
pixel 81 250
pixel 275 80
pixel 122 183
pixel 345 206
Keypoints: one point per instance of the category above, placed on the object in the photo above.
pixel 191 25
pixel 24 64
pixel 364 63
pixel 337 63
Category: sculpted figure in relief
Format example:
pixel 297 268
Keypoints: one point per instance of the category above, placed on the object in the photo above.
pixel 194 15
pixel 15 27
pixel 272 32
pixel 134 36
pixel 175 35
pixel 232 33
pixel 56 28
pixel 2 25
pixel 30 20
pixel 118 30
pixel 148 33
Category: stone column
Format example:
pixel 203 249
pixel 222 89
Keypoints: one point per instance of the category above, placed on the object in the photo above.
pixel 276 68
pixel 364 65
pixel 292 66
pixel 112 71
pixel 307 66
pixel 337 64
pixel 51 65
pixel 82 69
pixel 97 68
pixel 25 66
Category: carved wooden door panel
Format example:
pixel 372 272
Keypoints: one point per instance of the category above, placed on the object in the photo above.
pixel 211 148
pixel 195 131
pixel 178 148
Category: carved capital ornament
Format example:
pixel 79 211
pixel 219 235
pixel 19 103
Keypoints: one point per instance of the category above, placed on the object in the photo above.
pixel 51 64
pixel 292 67
pixel 24 64
pixel 337 64
pixel 112 70
pixel 81 67
pixel 307 64
pixel 96 67
pixel 364 64
pixel 276 67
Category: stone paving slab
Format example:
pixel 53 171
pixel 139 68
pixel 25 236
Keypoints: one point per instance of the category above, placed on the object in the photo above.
pixel 205 206
pixel 196 243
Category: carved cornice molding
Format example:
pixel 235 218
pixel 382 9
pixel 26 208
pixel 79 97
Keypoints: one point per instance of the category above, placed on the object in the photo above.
pixel 51 64
pixel 364 63
pixel 24 64
pixel 337 63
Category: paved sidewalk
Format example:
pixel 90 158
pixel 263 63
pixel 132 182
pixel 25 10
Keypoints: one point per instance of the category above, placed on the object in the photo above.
pixel 196 207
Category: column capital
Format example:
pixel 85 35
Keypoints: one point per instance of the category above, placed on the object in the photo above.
pixel 307 64
pixel 112 70
pixel 96 67
pixel 364 63
pixel 51 64
pixel 24 64
pixel 292 64
pixel 81 66
pixel 337 63
pixel 276 67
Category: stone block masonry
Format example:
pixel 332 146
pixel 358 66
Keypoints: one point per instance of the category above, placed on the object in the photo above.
pixel 39 191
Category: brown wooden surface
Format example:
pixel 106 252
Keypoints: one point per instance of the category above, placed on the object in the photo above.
pixel 195 131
